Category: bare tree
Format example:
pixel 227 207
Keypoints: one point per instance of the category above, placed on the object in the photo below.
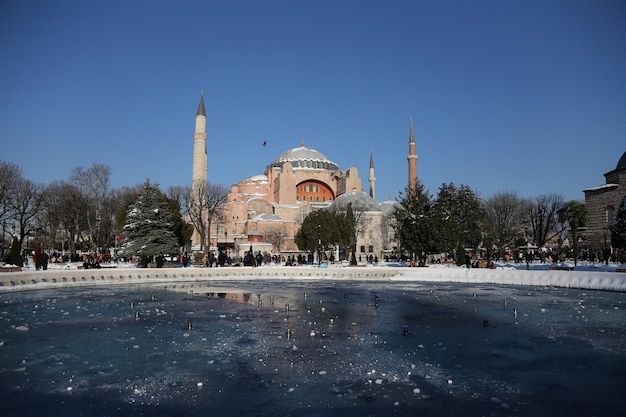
pixel 26 201
pixel 93 184
pixel 10 175
pixel 276 238
pixel 177 192
pixel 203 203
pixel 543 217
pixel 575 214
pixel 504 214
pixel 65 209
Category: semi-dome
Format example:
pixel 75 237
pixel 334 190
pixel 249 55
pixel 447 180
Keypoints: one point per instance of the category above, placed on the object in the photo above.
pixel 304 158
pixel 360 202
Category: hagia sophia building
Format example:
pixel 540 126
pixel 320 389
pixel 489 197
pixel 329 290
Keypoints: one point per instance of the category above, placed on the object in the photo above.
pixel 265 211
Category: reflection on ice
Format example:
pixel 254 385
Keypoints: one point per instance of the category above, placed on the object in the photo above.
pixel 312 349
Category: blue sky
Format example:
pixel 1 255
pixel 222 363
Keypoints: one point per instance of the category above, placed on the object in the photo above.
pixel 525 96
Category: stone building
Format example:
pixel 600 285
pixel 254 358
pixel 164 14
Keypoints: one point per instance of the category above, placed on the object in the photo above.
pixel 264 212
pixel 273 205
pixel 602 203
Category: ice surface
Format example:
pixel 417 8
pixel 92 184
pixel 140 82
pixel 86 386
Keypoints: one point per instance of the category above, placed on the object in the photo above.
pixel 312 349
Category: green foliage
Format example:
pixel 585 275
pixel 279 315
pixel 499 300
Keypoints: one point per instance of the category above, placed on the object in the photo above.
pixel 322 230
pixel 149 228
pixel 618 228
pixel 460 255
pixel 461 213
pixel 15 257
pixel 418 224
pixel 182 230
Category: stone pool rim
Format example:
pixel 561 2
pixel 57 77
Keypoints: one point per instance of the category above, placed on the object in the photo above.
pixel 52 279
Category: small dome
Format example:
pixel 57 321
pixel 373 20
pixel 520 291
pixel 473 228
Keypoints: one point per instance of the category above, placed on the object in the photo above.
pixel 360 202
pixel 388 206
pixel 622 162
pixel 303 157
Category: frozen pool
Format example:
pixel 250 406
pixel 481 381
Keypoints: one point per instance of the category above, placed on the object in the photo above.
pixel 312 349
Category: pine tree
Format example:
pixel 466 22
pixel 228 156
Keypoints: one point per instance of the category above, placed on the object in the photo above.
pixel 15 257
pixel 149 228
pixel 418 224
pixel 618 228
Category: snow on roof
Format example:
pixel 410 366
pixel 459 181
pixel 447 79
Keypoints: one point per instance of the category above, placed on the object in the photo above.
pixel 267 217
pixel 601 187
pixel 262 178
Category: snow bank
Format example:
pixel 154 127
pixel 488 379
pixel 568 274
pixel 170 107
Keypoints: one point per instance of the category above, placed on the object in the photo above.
pixel 597 280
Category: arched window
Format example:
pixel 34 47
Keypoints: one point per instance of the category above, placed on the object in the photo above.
pixel 313 190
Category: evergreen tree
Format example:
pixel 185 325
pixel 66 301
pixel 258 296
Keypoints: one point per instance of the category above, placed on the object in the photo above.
pixel 149 228
pixel 182 230
pixel 418 224
pixel 618 228
pixel 15 257
pixel 322 230
pixel 460 255
pixel 461 214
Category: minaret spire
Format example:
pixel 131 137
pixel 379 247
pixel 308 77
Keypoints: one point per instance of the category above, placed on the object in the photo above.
pixel 412 158
pixel 200 168
pixel 201 111
pixel 372 178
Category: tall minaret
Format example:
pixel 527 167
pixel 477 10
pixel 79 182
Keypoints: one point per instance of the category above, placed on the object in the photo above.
pixel 412 158
pixel 200 168
pixel 372 178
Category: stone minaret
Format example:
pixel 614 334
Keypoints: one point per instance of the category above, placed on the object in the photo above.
pixel 412 158
pixel 200 167
pixel 372 178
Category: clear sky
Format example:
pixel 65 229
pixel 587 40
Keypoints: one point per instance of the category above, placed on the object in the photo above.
pixel 526 96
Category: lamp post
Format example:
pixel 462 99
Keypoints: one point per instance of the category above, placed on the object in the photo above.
pixel 319 244
pixel 605 252
pixel 4 225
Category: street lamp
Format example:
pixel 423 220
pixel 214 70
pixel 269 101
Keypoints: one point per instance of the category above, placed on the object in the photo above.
pixel 4 225
pixel 319 244
pixel 605 252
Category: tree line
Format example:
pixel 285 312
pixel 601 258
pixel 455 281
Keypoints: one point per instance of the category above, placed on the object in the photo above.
pixel 84 214
pixel 457 221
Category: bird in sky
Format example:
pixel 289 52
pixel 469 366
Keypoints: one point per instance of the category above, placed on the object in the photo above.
pixel 264 143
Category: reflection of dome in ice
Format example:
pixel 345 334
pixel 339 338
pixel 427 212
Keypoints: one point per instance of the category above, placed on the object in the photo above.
pixel 303 157
pixel 360 202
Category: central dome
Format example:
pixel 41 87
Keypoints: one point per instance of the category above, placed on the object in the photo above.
pixel 304 158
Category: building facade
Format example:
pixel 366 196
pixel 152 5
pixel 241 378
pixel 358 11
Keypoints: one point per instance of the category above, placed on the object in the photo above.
pixel 602 203
pixel 264 212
